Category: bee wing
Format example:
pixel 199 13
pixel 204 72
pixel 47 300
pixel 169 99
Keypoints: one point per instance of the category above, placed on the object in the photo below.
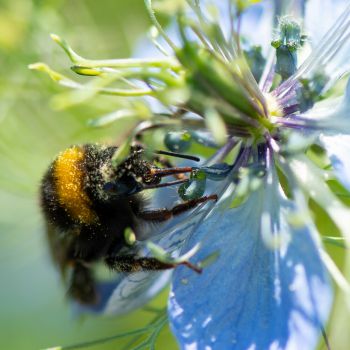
pixel 130 291
pixel 127 292
pixel 135 290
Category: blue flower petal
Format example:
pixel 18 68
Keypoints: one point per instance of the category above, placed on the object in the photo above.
pixel 330 116
pixel 330 56
pixel 338 150
pixel 252 297
pixel 259 15
pixel 316 9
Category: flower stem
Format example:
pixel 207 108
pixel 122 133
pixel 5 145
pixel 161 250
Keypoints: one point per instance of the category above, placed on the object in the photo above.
pixel 166 62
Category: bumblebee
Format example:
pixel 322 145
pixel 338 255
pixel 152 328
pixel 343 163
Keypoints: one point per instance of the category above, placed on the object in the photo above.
pixel 89 203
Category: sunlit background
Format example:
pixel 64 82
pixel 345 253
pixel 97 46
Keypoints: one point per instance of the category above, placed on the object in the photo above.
pixel 34 313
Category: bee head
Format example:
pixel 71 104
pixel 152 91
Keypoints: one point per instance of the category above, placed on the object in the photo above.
pixel 122 187
pixel 111 182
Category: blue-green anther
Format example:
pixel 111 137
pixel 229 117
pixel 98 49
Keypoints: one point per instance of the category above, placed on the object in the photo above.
pixel 178 141
pixel 203 138
pixel 216 172
pixel 287 45
pixel 195 187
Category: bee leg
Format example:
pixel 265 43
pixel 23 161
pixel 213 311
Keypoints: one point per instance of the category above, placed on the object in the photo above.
pixel 161 172
pixel 167 164
pixel 82 285
pixel 130 263
pixel 166 214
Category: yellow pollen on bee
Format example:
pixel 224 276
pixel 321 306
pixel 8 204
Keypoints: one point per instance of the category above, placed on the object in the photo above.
pixel 69 181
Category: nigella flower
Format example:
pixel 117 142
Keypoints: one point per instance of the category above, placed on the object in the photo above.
pixel 270 109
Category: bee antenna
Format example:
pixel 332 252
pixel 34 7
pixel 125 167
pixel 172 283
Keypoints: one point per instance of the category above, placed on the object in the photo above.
pixel 178 155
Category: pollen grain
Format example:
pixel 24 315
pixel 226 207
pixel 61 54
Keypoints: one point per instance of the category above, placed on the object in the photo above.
pixel 69 180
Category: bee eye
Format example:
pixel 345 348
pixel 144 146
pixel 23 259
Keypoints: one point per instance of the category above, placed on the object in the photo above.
pixel 121 187
pixel 117 188
pixel 109 187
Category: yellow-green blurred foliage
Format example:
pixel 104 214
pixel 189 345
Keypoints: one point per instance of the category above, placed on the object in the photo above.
pixel 34 313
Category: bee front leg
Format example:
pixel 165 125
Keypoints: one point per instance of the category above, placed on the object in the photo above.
pixel 167 164
pixel 164 214
pixel 132 263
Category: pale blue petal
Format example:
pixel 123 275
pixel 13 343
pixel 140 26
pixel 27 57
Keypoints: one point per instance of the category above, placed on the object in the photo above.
pixel 260 17
pixel 331 116
pixel 328 11
pixel 330 56
pixel 338 150
pixel 295 8
pixel 251 297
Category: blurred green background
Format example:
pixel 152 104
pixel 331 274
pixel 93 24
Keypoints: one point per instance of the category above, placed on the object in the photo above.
pixel 34 313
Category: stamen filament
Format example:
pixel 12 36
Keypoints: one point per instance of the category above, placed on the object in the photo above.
pixel 149 8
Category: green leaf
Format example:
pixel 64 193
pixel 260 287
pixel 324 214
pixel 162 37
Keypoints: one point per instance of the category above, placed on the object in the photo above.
pixel 244 4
